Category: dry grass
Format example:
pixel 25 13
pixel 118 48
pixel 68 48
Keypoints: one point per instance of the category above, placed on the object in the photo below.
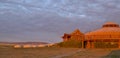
pixel 46 52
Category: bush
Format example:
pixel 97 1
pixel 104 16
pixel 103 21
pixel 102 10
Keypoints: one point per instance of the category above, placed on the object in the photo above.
pixel 106 45
pixel 71 44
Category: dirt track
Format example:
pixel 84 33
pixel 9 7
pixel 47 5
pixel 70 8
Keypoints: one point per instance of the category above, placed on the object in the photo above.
pixel 86 53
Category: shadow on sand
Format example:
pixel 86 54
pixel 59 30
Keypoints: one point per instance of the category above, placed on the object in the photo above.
pixel 113 54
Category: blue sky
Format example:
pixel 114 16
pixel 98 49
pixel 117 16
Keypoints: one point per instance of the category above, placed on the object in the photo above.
pixel 48 20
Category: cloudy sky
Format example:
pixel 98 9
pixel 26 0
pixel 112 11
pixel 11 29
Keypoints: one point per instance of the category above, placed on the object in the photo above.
pixel 48 20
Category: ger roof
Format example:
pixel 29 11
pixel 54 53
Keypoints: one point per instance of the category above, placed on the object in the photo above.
pixel 106 30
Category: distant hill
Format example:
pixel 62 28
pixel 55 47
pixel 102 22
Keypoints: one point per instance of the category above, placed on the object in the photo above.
pixel 23 43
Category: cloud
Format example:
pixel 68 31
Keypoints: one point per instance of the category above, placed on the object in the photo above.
pixel 47 20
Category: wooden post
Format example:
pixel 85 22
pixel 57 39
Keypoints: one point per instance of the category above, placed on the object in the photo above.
pixel 119 44
pixel 88 44
pixel 92 44
pixel 82 43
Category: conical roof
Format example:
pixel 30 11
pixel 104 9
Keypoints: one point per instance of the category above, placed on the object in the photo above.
pixel 112 29
pixel 76 32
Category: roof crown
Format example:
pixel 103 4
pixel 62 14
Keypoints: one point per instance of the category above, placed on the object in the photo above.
pixel 76 32
pixel 110 24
